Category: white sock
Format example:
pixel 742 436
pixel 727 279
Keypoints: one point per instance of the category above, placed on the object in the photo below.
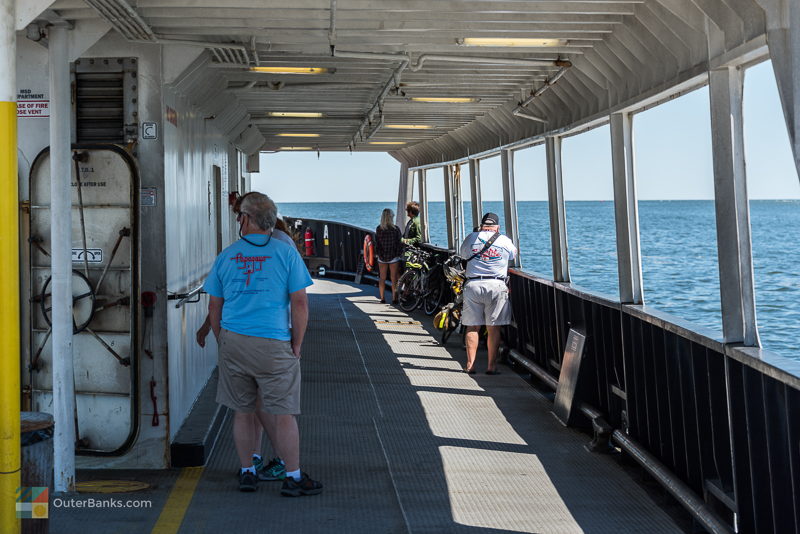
pixel 251 469
pixel 256 457
pixel 295 475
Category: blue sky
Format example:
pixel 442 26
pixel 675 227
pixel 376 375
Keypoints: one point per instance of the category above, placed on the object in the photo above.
pixel 672 150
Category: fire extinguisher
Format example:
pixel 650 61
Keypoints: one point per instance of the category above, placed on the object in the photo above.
pixel 309 238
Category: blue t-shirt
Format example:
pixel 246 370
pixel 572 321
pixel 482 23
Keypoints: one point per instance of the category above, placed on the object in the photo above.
pixel 255 283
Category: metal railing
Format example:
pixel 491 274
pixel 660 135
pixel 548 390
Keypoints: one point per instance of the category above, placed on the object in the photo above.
pixel 718 427
pixel 724 423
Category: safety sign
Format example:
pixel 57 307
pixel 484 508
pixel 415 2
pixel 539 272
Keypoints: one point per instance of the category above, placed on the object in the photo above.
pixel 147 196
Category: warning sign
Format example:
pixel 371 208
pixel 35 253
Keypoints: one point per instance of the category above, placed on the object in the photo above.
pixel 33 108
pixel 32 104
pixel 148 196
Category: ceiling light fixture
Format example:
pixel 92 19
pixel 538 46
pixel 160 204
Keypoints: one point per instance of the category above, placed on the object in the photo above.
pixel 510 41
pixel 295 114
pixel 292 70
pixel 444 99
pixel 387 142
pixel 409 126
pixel 294 148
pixel 297 135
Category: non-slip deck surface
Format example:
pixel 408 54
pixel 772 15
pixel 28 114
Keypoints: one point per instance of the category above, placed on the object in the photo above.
pixel 405 442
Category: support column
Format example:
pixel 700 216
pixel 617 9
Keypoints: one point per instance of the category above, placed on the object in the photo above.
pixel 734 250
pixel 626 210
pixel 9 274
pixel 458 206
pixel 558 212
pixel 449 212
pixel 404 192
pixel 475 191
pixel 422 187
pixel 510 202
pixel 61 261
pixel 783 37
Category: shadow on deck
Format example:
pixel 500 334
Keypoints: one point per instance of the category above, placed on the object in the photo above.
pixel 404 442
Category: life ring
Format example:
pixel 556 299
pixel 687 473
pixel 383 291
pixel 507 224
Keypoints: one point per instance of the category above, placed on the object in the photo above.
pixel 369 253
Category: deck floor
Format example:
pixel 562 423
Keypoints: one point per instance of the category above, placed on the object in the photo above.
pixel 405 442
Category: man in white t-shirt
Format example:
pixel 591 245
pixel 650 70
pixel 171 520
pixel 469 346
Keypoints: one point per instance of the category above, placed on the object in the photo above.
pixel 486 295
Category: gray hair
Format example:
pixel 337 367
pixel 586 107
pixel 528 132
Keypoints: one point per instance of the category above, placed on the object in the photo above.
pixel 261 209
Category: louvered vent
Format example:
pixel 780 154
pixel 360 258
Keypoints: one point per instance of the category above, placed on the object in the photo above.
pixel 105 101
pixel 100 107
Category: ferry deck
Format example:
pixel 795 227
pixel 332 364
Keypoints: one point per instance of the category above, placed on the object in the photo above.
pixel 130 127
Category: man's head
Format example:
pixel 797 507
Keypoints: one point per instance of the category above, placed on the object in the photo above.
pixel 490 221
pixel 412 209
pixel 260 211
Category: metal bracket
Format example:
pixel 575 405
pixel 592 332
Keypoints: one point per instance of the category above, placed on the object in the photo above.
pixel 601 442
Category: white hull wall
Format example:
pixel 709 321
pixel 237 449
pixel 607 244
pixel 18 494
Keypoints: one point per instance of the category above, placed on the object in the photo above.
pixel 192 148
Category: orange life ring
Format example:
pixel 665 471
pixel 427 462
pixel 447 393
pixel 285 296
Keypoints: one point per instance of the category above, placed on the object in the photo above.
pixel 369 253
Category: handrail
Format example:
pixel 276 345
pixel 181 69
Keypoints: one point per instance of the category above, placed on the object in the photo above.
pixel 186 298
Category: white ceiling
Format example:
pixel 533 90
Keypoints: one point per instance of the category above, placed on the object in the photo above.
pixel 618 49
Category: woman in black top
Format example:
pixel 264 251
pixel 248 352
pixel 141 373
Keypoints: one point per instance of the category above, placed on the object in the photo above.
pixel 388 249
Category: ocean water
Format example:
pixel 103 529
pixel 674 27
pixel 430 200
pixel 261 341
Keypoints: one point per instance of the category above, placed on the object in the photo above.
pixel 679 257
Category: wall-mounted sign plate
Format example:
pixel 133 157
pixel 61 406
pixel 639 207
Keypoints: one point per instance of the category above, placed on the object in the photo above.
pixel 93 255
pixel 149 130
pixel 568 378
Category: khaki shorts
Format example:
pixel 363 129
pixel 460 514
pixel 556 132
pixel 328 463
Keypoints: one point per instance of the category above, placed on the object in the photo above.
pixel 247 364
pixel 486 302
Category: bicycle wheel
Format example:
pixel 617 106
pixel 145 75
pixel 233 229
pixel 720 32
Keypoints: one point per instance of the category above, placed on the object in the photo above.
pixel 407 289
pixel 453 322
pixel 433 299
pixel 448 331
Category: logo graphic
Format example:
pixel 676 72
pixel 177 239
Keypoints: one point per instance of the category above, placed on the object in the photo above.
pixel 249 264
pixel 33 502
pixel 492 255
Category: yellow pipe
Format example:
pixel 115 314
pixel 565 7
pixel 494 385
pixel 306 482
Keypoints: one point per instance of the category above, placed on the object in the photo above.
pixel 9 321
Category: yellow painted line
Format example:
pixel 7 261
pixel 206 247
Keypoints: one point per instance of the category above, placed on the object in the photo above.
pixel 178 502
pixel 9 321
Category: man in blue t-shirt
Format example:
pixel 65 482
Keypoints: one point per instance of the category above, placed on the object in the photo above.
pixel 252 284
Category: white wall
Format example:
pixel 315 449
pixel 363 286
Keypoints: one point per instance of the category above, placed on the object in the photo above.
pixel 190 150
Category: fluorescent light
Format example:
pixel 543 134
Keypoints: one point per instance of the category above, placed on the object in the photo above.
pixel 296 114
pixel 387 142
pixel 291 70
pixel 294 148
pixel 408 126
pixel 445 99
pixel 297 135
pixel 510 41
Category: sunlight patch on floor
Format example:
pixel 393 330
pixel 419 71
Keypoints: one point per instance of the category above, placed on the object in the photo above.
pixel 467 417
pixel 523 498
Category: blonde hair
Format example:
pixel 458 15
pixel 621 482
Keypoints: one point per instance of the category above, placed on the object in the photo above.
pixel 387 219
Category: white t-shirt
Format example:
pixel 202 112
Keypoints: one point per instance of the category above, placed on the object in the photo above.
pixel 280 235
pixel 493 262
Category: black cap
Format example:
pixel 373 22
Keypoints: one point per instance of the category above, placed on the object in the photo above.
pixel 490 219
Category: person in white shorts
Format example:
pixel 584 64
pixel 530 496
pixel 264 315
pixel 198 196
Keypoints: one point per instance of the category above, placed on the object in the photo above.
pixel 486 295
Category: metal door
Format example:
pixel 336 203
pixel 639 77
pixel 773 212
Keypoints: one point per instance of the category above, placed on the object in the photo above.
pixel 105 290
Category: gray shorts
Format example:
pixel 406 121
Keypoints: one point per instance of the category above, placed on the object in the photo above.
pixel 486 303
pixel 247 364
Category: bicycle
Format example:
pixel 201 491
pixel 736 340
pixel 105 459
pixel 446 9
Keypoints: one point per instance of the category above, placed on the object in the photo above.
pixel 411 287
pixel 449 318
